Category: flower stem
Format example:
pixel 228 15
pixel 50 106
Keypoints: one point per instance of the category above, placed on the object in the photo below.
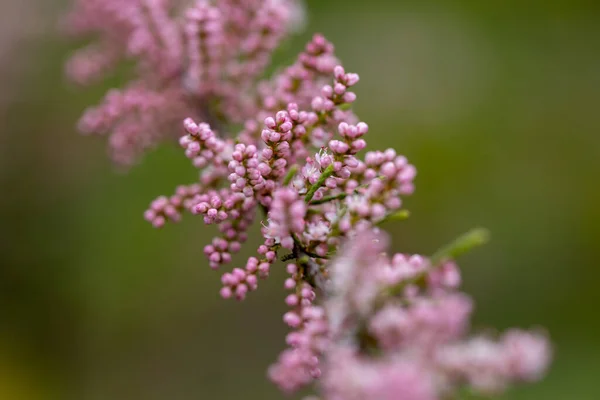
pixel 290 175
pixel 340 196
pixel 461 245
pixel 326 199
pixel 399 215
pixel 313 189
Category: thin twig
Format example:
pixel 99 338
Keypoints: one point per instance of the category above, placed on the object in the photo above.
pixel 326 199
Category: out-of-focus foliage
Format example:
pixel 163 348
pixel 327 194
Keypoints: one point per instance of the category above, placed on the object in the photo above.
pixel 496 103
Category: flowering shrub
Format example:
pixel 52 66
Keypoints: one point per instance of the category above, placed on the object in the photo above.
pixel 365 324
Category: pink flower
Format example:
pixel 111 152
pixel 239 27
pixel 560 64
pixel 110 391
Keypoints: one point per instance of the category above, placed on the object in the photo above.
pixel 365 324
pixel 349 376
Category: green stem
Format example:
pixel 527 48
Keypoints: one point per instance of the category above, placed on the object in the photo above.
pixel 290 175
pixel 327 199
pixel 340 196
pixel 313 189
pixel 461 245
pixel 399 215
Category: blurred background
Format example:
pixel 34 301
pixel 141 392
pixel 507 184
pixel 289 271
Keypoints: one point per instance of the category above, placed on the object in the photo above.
pixel 497 104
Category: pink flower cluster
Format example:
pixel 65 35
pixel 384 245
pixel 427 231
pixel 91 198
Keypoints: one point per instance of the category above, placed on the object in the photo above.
pixel 367 325
pixel 198 59
pixel 397 330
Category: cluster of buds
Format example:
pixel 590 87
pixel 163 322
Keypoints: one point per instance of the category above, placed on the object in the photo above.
pixel 365 324
pixel 201 59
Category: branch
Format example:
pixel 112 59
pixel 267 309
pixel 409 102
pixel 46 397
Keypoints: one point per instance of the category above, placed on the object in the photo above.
pixel 341 196
pixel 300 248
pixel 312 272
pixel 327 199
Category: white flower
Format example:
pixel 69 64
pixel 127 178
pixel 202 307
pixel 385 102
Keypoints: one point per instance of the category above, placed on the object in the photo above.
pixel 310 172
pixel 317 231
pixel 272 230
pixel 323 158
pixel 299 184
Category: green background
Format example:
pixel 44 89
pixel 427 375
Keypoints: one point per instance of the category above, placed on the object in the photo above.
pixel 497 103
